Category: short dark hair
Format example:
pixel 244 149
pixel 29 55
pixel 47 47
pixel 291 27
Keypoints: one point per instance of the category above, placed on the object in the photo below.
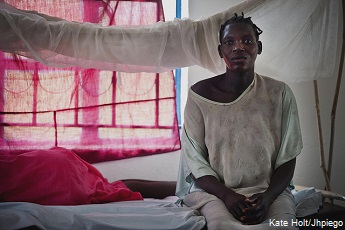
pixel 236 19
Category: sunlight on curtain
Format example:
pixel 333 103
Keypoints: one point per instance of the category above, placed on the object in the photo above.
pixel 101 115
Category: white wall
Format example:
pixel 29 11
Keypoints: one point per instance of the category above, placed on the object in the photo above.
pixel 160 167
pixel 308 171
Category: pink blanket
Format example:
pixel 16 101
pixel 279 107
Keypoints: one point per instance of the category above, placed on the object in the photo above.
pixel 57 177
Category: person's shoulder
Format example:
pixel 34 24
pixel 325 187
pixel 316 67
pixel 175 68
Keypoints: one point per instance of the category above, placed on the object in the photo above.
pixel 202 87
pixel 270 81
pixel 279 86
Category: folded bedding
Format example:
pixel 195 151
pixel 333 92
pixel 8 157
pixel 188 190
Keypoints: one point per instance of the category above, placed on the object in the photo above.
pixel 57 177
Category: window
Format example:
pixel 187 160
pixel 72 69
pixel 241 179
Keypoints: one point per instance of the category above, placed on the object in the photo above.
pixel 102 115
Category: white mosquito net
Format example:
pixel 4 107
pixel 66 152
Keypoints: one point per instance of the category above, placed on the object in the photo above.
pixel 301 40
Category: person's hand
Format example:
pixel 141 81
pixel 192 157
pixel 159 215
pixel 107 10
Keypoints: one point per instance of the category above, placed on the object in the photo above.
pixel 236 204
pixel 259 205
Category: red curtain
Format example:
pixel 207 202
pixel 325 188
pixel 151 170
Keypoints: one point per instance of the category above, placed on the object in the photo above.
pixel 101 115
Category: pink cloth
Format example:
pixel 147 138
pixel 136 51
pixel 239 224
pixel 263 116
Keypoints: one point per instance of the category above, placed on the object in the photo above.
pixel 57 177
pixel 102 115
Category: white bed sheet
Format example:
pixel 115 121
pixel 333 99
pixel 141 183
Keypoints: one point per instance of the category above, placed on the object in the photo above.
pixel 148 214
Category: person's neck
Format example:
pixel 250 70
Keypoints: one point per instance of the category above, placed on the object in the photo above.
pixel 237 81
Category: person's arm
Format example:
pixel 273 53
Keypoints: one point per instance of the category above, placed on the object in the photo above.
pixel 151 189
pixel 281 178
pixel 261 202
pixel 235 202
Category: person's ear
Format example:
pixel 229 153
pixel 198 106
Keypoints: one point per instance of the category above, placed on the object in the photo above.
pixel 220 52
pixel 259 47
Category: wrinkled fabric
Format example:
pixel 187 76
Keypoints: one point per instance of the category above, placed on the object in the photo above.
pixel 301 40
pixel 130 215
pixel 218 217
pixel 242 142
pixel 57 177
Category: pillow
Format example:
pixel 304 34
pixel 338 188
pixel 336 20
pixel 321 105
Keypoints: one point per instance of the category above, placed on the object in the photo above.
pixel 57 177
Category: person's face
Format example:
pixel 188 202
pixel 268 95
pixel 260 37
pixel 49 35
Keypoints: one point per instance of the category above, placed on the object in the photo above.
pixel 239 47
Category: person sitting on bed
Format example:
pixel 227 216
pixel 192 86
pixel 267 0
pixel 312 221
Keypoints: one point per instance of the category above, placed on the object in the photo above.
pixel 240 139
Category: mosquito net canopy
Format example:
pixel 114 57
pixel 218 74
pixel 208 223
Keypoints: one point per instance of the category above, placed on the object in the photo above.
pixel 301 40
